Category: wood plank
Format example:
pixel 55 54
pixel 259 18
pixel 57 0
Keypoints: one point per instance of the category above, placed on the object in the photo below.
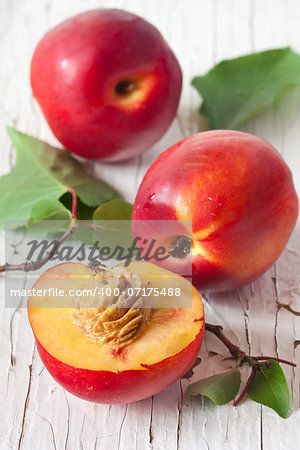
pixel 35 412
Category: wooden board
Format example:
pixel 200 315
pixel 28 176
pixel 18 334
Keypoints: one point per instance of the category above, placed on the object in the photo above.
pixel 36 413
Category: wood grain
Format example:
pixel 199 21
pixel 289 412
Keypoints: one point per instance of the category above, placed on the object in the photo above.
pixel 36 413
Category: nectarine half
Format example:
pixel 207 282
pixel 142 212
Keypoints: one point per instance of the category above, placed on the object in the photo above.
pixel 115 347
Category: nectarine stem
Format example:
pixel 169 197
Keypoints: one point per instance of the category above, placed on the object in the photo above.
pixel 125 87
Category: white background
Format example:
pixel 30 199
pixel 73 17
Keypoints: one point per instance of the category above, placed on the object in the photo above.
pixel 36 413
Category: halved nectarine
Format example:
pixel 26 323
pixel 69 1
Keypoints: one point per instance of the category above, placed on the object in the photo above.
pixel 115 335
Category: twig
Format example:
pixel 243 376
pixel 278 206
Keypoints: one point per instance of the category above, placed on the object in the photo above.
pixel 238 353
pixel 35 265
pixel 235 351
pixel 242 358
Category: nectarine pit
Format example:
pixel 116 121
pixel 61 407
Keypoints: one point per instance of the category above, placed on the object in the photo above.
pixel 117 318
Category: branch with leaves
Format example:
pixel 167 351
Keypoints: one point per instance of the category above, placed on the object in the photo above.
pixel 266 384
pixel 47 183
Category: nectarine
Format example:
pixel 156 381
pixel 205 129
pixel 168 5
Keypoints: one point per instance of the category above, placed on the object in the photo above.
pixel 107 83
pixel 110 345
pixel 239 194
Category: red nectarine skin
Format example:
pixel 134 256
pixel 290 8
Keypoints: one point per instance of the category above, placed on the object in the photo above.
pixel 239 194
pixel 107 83
pixel 126 386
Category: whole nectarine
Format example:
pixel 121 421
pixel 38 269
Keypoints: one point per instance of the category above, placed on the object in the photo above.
pixel 107 83
pixel 239 194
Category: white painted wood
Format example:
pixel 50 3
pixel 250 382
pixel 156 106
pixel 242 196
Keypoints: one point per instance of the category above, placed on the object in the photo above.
pixel 35 413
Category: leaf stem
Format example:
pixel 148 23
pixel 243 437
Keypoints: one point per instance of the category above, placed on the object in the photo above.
pixel 74 202
pixel 246 387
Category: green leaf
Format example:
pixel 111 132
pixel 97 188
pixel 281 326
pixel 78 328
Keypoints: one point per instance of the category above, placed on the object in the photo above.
pixel 220 388
pixel 237 89
pixel 269 387
pixel 116 209
pixel 48 216
pixel 112 224
pixel 43 174
pixel 49 210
